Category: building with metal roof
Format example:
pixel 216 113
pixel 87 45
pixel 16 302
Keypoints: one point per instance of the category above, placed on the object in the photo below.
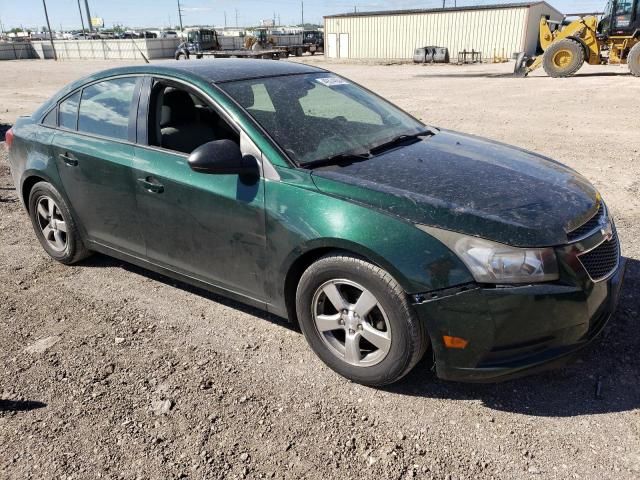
pixel 495 30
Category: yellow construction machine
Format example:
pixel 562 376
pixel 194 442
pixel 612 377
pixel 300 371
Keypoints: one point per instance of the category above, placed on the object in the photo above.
pixel 614 39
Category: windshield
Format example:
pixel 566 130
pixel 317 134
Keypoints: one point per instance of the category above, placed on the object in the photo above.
pixel 320 115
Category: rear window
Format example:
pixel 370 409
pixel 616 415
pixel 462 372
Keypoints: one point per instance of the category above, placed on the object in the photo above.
pixel 105 108
pixel 50 119
pixel 68 117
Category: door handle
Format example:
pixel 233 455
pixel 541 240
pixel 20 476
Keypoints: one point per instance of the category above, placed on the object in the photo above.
pixel 69 159
pixel 150 186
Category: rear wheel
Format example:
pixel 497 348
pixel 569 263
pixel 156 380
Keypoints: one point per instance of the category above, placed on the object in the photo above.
pixel 54 226
pixel 563 58
pixel 358 320
pixel 299 52
pixel 633 60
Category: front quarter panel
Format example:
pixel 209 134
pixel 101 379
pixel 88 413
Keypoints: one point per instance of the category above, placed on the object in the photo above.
pixel 300 219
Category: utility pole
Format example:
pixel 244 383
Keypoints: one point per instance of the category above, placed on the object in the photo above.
pixel 302 12
pixel 225 19
pixel 86 7
pixel 236 18
pixel 46 15
pixel 443 3
pixel 180 16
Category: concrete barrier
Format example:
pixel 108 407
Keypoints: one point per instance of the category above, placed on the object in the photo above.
pixel 125 49
pixel 16 50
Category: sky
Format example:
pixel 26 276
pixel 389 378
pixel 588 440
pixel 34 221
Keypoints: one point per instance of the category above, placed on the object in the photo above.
pixel 162 13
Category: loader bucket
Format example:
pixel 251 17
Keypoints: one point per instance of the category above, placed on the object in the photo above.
pixel 520 68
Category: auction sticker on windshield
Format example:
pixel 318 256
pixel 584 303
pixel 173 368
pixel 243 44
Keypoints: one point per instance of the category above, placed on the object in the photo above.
pixel 332 81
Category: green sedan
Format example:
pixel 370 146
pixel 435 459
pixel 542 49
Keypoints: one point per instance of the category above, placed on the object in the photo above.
pixel 295 190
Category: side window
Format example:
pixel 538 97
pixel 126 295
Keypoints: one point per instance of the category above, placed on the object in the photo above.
pixel 181 121
pixel 105 108
pixel 68 116
pixel 51 118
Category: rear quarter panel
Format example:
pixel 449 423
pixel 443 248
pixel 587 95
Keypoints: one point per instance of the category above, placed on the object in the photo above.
pixel 30 155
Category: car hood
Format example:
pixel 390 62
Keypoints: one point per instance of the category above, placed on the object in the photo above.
pixel 469 185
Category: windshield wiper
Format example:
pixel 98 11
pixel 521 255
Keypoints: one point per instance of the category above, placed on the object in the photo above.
pixel 399 140
pixel 347 158
pixel 339 159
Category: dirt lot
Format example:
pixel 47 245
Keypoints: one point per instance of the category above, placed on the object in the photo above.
pixel 108 371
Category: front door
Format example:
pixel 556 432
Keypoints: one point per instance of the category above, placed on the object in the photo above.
pixel 208 227
pixel 95 159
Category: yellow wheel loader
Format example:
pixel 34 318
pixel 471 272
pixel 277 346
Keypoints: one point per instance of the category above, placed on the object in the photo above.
pixel 615 39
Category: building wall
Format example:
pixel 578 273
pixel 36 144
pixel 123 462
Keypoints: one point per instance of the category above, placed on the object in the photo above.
pixel 493 32
pixel 533 25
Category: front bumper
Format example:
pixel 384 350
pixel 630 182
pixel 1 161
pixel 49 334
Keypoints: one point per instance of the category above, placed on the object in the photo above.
pixel 517 330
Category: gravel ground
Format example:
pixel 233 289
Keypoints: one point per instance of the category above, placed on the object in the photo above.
pixel 108 371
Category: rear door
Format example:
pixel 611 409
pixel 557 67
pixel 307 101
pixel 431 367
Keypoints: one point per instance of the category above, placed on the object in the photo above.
pixel 94 152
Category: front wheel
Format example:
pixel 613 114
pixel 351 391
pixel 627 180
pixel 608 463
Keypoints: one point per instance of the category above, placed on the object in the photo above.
pixel 563 58
pixel 633 60
pixel 358 320
pixel 54 225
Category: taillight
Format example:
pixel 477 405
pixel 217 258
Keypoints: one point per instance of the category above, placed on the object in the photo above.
pixel 8 138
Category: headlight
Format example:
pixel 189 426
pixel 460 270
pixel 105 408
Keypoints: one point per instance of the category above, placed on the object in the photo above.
pixel 492 262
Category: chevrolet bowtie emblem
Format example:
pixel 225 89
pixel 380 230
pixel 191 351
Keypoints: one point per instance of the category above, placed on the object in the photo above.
pixel 607 231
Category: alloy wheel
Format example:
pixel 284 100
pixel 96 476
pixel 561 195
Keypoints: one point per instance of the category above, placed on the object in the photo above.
pixel 351 322
pixel 52 223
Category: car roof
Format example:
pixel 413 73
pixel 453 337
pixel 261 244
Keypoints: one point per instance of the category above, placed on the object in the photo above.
pixel 217 70
pixel 221 70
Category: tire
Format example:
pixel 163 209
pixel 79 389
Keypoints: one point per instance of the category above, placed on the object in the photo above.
pixel 633 60
pixel 65 247
pixel 563 58
pixel 298 52
pixel 399 338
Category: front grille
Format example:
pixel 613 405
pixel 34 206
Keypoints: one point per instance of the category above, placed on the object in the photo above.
pixel 589 226
pixel 602 260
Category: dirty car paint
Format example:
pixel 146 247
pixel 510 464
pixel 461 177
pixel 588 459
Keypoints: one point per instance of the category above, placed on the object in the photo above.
pixel 470 185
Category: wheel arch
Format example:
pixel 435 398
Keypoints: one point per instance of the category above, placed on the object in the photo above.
pixel 583 44
pixel 28 182
pixel 301 260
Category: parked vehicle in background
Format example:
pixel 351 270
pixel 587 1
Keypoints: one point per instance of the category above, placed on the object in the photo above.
pixel 288 43
pixel 129 34
pixel 107 34
pixel 297 191
pixel 169 34
pixel 314 37
pixel 85 36
pixel 205 42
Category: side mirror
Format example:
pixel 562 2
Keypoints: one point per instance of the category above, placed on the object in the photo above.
pixel 222 157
